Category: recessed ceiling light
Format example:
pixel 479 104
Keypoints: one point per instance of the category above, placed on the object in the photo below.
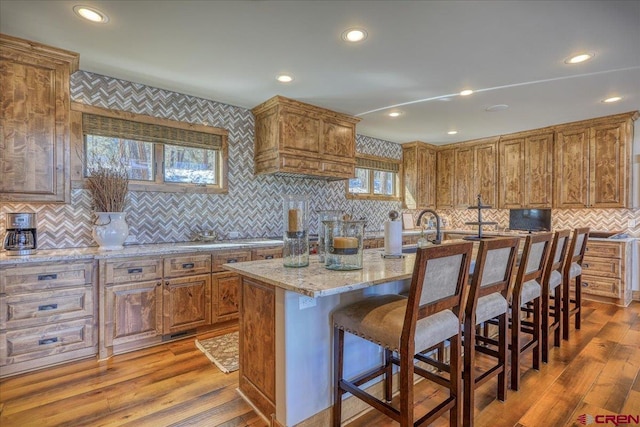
pixel 90 14
pixel 612 99
pixel 497 107
pixel 395 114
pixel 284 78
pixel 452 132
pixel 466 92
pixel 576 59
pixel 354 35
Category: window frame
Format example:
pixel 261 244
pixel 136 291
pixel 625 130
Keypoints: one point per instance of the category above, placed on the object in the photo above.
pixel 371 195
pixel 158 184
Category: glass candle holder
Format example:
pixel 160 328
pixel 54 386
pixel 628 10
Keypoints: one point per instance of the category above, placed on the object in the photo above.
pixel 325 215
pixel 343 244
pixel 295 251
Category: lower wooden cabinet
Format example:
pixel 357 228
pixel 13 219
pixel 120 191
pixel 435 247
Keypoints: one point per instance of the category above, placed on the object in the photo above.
pixel 606 271
pixel 226 296
pixel 47 315
pixel 186 303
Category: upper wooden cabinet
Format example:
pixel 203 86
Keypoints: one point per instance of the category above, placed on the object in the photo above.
pixel 466 170
pixel 35 121
pixel 525 161
pixel 292 137
pixel 591 161
pixel 419 169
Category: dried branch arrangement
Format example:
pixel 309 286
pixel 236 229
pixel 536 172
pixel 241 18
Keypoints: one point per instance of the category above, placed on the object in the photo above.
pixel 108 184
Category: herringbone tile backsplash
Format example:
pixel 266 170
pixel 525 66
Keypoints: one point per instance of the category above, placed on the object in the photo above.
pixel 253 206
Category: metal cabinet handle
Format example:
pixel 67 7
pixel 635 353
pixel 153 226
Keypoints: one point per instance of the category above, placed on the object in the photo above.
pixel 585 265
pixel 47 276
pixel 159 284
pixel 188 265
pixel 585 284
pixel 48 341
pixel 268 257
pixel 134 270
pixel 232 260
pixel 47 307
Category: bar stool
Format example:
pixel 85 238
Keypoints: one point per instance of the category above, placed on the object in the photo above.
pixel 552 314
pixel 527 289
pixel 573 270
pixel 487 299
pixel 431 314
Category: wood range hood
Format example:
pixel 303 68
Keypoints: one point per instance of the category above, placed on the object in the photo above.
pixel 297 139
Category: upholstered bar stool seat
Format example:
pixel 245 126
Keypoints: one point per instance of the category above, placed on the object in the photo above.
pixel 380 319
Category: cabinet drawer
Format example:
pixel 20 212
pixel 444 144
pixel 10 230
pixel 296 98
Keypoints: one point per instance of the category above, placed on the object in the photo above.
pixel 340 169
pixel 299 165
pixel 228 257
pixel 266 253
pixel 33 343
pixel 36 309
pixel 133 271
pixel 601 267
pixel 187 265
pixel 600 286
pixel 603 249
pixel 43 277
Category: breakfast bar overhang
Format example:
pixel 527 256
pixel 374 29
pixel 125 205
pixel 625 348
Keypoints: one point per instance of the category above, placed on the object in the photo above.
pixel 285 348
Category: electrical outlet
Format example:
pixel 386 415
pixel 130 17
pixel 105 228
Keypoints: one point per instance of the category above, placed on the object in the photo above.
pixel 632 223
pixel 306 302
pixel 234 234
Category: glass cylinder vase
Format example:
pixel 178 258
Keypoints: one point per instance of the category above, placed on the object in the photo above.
pixel 295 252
pixel 343 244
pixel 325 215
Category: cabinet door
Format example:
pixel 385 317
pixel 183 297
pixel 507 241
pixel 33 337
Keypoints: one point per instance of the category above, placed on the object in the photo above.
pixel 299 132
pixel 486 169
pixel 571 157
pixel 338 140
pixel 608 161
pixel 186 303
pixel 512 179
pixel 463 178
pixel 538 163
pixel 445 177
pixel 133 312
pixel 35 122
pixel 426 168
pixel 226 287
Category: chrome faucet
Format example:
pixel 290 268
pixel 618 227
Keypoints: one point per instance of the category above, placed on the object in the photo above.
pixel 438 238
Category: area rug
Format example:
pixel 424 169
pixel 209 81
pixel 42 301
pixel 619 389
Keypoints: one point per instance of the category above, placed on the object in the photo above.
pixel 222 350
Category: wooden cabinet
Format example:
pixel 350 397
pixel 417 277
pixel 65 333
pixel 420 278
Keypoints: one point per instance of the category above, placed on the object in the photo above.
pixel 606 271
pixel 292 137
pixel 419 170
pixel 525 169
pixel 47 315
pixel 445 168
pixel 35 121
pixel 591 163
pixel 226 289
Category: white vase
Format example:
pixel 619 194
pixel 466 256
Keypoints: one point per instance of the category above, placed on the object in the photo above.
pixel 110 230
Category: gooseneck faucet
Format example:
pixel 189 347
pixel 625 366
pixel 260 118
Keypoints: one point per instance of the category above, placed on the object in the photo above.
pixel 438 238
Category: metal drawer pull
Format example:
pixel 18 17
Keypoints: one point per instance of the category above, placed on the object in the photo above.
pixel 585 265
pixel 134 270
pixel 188 265
pixel 585 284
pixel 232 260
pixel 268 257
pixel 48 341
pixel 47 276
pixel 47 307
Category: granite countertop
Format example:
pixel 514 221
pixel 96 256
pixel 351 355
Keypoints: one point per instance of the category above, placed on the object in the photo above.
pixel 317 281
pixel 94 252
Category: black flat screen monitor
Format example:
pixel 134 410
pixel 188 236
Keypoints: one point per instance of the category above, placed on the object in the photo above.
pixel 530 219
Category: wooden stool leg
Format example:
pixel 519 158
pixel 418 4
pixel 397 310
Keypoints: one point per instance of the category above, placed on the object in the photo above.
pixel 566 308
pixel 503 347
pixel 578 300
pixel 455 414
pixel 536 334
pixel 515 346
pixel 544 335
pixel 388 376
pixel 557 316
pixel 468 373
pixel 338 359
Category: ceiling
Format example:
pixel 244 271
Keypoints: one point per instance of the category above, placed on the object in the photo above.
pixel 417 58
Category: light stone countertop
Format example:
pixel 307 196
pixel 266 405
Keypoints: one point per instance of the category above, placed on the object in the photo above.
pixel 317 281
pixel 160 249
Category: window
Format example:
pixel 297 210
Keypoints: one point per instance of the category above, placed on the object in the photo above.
pixel 158 157
pixel 375 178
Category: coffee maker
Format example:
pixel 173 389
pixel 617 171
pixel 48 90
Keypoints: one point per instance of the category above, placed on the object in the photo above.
pixel 21 237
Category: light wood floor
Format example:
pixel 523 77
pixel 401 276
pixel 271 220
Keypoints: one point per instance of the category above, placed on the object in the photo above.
pixel 596 372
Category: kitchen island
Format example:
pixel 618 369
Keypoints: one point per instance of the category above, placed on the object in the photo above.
pixel 286 367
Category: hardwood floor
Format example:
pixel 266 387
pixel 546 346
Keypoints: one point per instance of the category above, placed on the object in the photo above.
pixel 597 372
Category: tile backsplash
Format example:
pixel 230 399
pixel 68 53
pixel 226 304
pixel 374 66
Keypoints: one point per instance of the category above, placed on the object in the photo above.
pixel 253 206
